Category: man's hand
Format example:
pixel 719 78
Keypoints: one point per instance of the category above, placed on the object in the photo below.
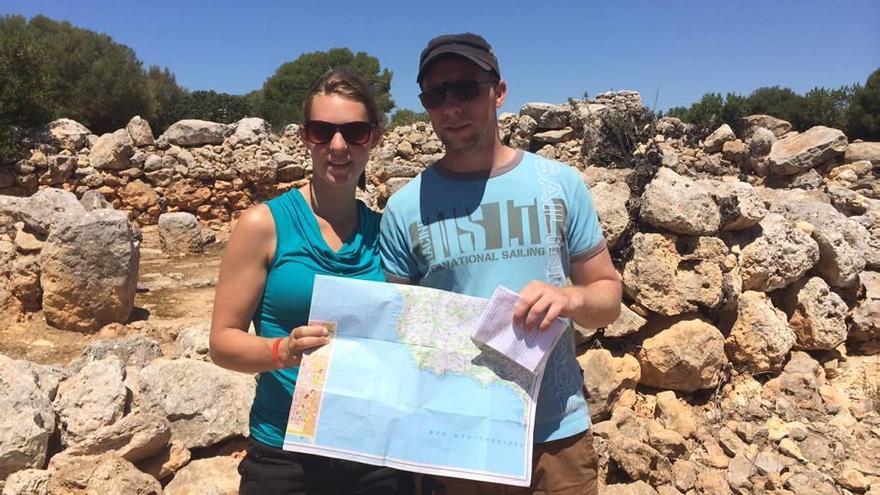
pixel 539 304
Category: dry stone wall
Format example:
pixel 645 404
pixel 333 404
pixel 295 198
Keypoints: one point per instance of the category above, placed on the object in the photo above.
pixel 744 360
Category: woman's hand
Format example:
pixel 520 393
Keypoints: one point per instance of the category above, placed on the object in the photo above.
pixel 302 339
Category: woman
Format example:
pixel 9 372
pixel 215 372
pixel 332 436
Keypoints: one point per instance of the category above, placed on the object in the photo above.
pixel 266 276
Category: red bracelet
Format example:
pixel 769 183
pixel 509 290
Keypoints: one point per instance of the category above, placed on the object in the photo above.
pixel 275 358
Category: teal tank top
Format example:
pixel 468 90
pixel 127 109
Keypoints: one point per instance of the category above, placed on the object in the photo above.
pixel 300 254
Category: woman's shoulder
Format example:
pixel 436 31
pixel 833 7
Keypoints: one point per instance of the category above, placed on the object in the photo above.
pixel 256 220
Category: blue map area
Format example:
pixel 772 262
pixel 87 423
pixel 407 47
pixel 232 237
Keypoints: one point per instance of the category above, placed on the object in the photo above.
pixel 378 403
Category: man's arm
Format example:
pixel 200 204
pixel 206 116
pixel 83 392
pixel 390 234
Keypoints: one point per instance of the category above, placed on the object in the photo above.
pixel 592 301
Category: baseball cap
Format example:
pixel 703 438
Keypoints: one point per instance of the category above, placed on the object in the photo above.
pixel 468 45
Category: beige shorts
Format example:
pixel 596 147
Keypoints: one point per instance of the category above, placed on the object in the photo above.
pixel 561 467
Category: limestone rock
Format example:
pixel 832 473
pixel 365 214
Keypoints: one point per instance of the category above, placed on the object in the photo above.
pixel 193 132
pixel 804 151
pixel 675 414
pixel 781 255
pixel 26 417
pixel 105 474
pixel 865 150
pixel 180 233
pixel 138 195
pixel 716 140
pixel 28 482
pixel 167 462
pixel 738 204
pixel 215 475
pixel 42 211
pixel 135 437
pixel 842 242
pixel 258 171
pixel 112 151
pixel 67 134
pixel 193 342
pixel 610 200
pixel 546 116
pixel 94 200
pixel 817 315
pixel 605 378
pixel 628 323
pixel 637 488
pixel 205 404
pixel 779 127
pixel 250 130
pixel 553 136
pixel 685 355
pixel 678 204
pixel 140 131
pixel 90 254
pixel 669 283
pixel 639 461
pixel 93 398
pixel 761 142
pixel 133 350
pixel 761 338
pixel 60 169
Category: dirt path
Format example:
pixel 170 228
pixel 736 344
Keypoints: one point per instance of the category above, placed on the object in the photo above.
pixel 173 293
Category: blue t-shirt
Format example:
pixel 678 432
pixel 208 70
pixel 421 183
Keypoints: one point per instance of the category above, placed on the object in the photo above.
pixel 300 254
pixel 469 233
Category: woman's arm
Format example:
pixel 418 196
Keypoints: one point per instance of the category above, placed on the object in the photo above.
pixel 242 278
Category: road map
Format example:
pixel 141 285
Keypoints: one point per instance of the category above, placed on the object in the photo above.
pixel 402 384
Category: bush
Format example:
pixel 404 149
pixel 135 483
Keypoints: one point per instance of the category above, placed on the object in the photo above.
pixel 405 116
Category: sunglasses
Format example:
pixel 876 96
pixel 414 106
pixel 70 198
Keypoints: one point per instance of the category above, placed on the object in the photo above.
pixel 320 132
pixel 461 91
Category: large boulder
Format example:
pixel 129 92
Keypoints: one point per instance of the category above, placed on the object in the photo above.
pixel 28 482
pixel 26 416
pixel 193 132
pixel 546 115
pixel 761 338
pixel 671 283
pixel 869 151
pixel 799 153
pixel 250 130
pixel 606 379
pixel 205 404
pixel 135 437
pixel 816 314
pixel 94 255
pixel 842 242
pixel 779 256
pixel 67 134
pixel 685 355
pixel 678 204
pixel 93 398
pixel 180 233
pixel 610 200
pixel 42 211
pixel 112 151
pixel 140 131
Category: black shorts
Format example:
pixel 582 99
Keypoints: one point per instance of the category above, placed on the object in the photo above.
pixel 268 470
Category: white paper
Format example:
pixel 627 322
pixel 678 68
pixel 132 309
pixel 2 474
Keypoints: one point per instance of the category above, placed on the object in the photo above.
pixel 528 348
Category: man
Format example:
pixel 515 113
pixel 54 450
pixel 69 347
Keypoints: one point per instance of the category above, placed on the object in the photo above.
pixel 486 215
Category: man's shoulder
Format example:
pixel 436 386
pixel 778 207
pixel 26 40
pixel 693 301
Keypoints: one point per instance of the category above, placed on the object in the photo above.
pixel 548 168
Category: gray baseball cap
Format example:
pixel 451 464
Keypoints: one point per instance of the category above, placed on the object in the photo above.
pixel 468 45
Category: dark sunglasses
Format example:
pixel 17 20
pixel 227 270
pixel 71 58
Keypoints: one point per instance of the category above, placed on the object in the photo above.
pixel 461 91
pixel 320 132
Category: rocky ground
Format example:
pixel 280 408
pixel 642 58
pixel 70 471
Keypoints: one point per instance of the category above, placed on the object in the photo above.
pixel 745 359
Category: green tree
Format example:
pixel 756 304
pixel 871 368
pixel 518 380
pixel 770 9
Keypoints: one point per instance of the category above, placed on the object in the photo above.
pixel 166 98
pixel 779 102
pixel 214 106
pixel 863 113
pixel 25 100
pixel 708 112
pixel 284 92
pixel 405 116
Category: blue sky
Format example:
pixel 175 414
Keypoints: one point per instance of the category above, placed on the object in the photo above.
pixel 548 51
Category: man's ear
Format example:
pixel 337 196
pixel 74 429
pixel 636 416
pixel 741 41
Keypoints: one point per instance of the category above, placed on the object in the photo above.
pixel 500 93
